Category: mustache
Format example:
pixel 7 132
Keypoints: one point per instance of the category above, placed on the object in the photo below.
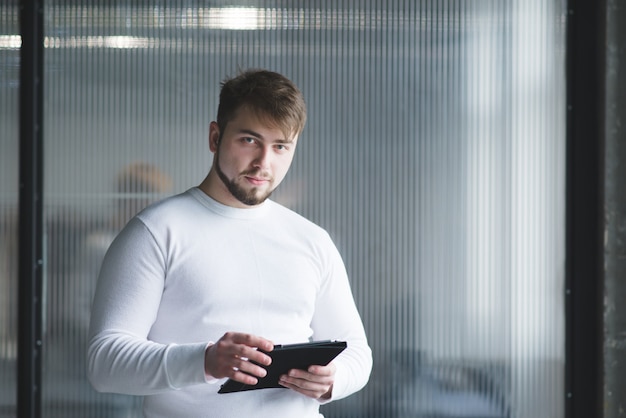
pixel 257 173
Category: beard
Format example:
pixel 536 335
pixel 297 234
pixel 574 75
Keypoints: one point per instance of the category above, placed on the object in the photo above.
pixel 250 197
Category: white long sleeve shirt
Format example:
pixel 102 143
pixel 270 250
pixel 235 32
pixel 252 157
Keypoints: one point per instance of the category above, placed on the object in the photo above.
pixel 188 269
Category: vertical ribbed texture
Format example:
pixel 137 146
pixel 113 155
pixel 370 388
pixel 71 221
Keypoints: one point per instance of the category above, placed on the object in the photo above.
pixel 434 156
pixel 9 183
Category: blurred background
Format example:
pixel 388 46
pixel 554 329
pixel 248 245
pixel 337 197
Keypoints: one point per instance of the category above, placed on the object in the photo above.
pixel 434 154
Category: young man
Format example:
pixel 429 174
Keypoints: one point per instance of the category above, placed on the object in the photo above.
pixel 196 284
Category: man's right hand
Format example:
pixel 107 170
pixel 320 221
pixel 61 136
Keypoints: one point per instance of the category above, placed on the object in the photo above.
pixel 232 354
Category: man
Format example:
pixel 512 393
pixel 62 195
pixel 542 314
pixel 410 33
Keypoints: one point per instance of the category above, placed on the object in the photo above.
pixel 195 286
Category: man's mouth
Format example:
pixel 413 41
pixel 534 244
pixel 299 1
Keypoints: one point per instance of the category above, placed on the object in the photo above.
pixel 257 181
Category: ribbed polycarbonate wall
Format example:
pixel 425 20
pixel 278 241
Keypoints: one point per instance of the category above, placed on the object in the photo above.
pixel 9 150
pixel 434 155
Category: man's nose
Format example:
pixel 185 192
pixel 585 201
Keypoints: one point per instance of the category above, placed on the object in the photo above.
pixel 262 159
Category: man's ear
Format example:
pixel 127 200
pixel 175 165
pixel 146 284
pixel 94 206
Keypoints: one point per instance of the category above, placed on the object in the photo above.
pixel 214 136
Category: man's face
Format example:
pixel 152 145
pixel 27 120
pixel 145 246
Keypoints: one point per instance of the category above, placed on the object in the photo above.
pixel 251 159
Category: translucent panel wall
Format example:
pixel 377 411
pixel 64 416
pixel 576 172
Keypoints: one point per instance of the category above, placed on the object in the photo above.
pixel 434 155
pixel 9 151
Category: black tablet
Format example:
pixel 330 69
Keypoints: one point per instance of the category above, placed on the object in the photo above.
pixel 287 357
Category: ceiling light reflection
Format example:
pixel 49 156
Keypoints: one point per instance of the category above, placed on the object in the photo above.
pixel 113 42
pixel 234 18
pixel 10 41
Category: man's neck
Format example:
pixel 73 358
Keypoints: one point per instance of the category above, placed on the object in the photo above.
pixel 213 187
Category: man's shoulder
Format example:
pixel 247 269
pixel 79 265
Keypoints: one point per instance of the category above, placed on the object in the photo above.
pixel 172 207
pixel 295 219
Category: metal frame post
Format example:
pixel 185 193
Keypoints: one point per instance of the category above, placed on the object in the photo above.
pixel 30 267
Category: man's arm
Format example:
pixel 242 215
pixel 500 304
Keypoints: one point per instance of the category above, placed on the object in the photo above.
pixel 120 357
pixel 337 318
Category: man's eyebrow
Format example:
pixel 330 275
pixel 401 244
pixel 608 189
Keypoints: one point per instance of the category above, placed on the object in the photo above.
pixel 251 133
pixel 258 135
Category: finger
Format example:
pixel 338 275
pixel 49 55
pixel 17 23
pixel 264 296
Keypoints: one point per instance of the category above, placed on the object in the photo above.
pixel 222 359
pixel 242 377
pixel 235 351
pixel 243 352
pixel 251 341
pixel 245 345
pixel 237 345
pixel 307 380
pixel 307 388
pixel 325 377
pixel 322 370
pixel 243 365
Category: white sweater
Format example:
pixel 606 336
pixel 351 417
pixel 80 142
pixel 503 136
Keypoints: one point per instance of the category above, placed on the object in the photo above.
pixel 188 269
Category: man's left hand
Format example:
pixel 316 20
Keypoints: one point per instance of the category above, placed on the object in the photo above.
pixel 316 382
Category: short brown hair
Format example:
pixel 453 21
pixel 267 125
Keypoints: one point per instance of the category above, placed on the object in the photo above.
pixel 269 94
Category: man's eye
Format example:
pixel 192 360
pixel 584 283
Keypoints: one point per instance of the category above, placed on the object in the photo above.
pixel 249 140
